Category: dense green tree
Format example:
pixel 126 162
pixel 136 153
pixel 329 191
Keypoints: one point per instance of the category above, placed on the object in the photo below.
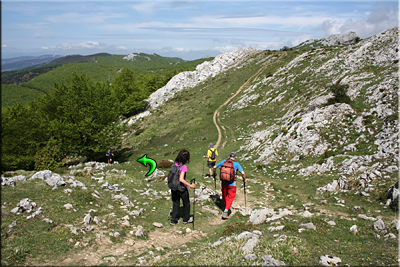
pixel 82 116
pixel 21 133
pixel 129 92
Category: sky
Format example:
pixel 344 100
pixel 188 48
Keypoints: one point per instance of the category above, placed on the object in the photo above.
pixel 189 29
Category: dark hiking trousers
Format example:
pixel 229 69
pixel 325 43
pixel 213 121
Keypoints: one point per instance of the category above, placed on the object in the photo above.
pixel 176 201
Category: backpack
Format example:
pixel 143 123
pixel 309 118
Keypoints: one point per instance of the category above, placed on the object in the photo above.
pixel 173 179
pixel 227 172
pixel 212 154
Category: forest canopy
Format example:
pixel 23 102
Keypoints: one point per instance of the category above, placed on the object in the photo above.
pixel 79 117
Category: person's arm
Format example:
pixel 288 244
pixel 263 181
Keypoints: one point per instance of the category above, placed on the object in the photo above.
pixel 182 180
pixel 243 176
pixel 217 166
pixel 239 168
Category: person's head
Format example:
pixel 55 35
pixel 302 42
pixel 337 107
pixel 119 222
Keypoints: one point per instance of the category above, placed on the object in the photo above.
pixel 232 155
pixel 183 157
pixel 210 145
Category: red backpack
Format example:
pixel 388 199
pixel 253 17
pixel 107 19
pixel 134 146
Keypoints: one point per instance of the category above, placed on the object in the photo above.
pixel 227 172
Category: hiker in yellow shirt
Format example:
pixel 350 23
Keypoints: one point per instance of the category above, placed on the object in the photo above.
pixel 212 155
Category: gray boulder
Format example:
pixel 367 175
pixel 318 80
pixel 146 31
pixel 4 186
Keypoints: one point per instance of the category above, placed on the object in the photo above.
pixel 391 236
pixel 246 235
pixel 139 232
pixel 87 219
pixel 380 226
pixel 269 261
pixel 329 260
pixel 24 205
pixel 49 177
pixel 136 212
pixel 395 224
pixel 19 178
pixel 55 179
pixel 309 225
pixel 259 216
pixel 42 175
pixel 250 257
pixel 246 211
pixel 12 181
pixel 393 196
pixel 250 245
pixel 124 199
pixel 220 241
pixel 8 181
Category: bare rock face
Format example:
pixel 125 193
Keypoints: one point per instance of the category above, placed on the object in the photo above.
pixel 189 79
pixel 49 177
pixel 340 39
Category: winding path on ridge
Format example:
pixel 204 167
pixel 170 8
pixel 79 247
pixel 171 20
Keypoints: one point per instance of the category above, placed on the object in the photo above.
pixel 250 80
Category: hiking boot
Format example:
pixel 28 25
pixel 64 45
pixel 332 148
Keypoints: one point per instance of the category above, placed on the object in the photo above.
pixel 189 221
pixel 174 222
pixel 225 216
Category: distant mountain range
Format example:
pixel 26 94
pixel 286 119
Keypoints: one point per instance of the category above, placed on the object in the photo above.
pixel 17 63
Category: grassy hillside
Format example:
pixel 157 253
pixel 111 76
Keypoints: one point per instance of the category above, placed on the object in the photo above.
pixel 32 82
pixel 276 126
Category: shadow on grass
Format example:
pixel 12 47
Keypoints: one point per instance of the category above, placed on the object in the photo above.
pixel 218 202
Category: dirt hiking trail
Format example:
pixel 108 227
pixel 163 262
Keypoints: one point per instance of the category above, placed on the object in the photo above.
pixel 250 80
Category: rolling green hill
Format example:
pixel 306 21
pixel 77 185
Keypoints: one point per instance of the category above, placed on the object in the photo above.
pixel 24 86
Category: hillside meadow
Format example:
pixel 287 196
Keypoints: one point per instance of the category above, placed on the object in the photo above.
pixel 250 125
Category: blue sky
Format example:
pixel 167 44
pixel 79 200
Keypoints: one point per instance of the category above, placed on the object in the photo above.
pixel 178 28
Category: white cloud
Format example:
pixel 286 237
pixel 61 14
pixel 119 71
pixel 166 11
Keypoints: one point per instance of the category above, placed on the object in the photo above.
pixel 146 8
pixel 93 18
pixel 379 19
pixel 89 44
pixel 3 46
pixel 224 49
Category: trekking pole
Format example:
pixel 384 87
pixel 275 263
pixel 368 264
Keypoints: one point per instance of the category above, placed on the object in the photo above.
pixel 194 199
pixel 170 210
pixel 202 174
pixel 244 185
pixel 215 181
pixel 215 184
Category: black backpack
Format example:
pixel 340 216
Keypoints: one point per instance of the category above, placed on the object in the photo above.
pixel 212 154
pixel 173 179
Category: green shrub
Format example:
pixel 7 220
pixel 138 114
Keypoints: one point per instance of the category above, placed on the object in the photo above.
pixel 48 157
pixel 139 131
pixel 339 92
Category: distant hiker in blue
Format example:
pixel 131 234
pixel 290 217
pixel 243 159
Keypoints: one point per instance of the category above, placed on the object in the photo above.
pixel 108 154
